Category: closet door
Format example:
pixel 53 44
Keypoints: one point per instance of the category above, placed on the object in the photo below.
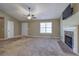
pixel 24 29
pixel 1 27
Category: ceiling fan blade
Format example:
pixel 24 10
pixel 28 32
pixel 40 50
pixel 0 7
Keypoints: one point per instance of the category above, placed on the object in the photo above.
pixel 33 16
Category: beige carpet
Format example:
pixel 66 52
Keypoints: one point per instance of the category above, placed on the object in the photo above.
pixel 32 47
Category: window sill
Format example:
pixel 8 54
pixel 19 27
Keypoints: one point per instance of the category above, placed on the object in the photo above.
pixel 45 33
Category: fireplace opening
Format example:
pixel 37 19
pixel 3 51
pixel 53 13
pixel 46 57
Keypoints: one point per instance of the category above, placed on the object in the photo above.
pixel 69 38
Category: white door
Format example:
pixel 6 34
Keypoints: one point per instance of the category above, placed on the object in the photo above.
pixel 25 29
pixel 10 29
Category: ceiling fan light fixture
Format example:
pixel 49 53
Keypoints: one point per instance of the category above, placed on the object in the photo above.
pixel 29 17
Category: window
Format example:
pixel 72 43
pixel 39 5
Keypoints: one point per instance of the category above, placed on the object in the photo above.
pixel 46 27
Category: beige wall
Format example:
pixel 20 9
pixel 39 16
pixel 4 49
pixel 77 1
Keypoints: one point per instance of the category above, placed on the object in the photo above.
pixel 72 21
pixel 34 28
pixel 75 7
pixel 17 25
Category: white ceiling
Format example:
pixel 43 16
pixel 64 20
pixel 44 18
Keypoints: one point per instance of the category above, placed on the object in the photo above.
pixel 40 10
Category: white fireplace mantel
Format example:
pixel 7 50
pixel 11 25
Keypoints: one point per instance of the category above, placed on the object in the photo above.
pixel 69 28
pixel 75 37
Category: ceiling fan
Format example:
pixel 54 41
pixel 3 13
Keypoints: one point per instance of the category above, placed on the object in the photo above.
pixel 30 16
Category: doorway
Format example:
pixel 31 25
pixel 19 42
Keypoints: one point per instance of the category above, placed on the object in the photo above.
pixel 10 29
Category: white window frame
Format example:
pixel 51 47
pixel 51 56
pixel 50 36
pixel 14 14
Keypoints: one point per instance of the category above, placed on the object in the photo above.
pixel 45 27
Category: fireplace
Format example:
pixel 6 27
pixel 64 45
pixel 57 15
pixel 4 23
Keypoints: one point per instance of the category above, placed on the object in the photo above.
pixel 69 38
